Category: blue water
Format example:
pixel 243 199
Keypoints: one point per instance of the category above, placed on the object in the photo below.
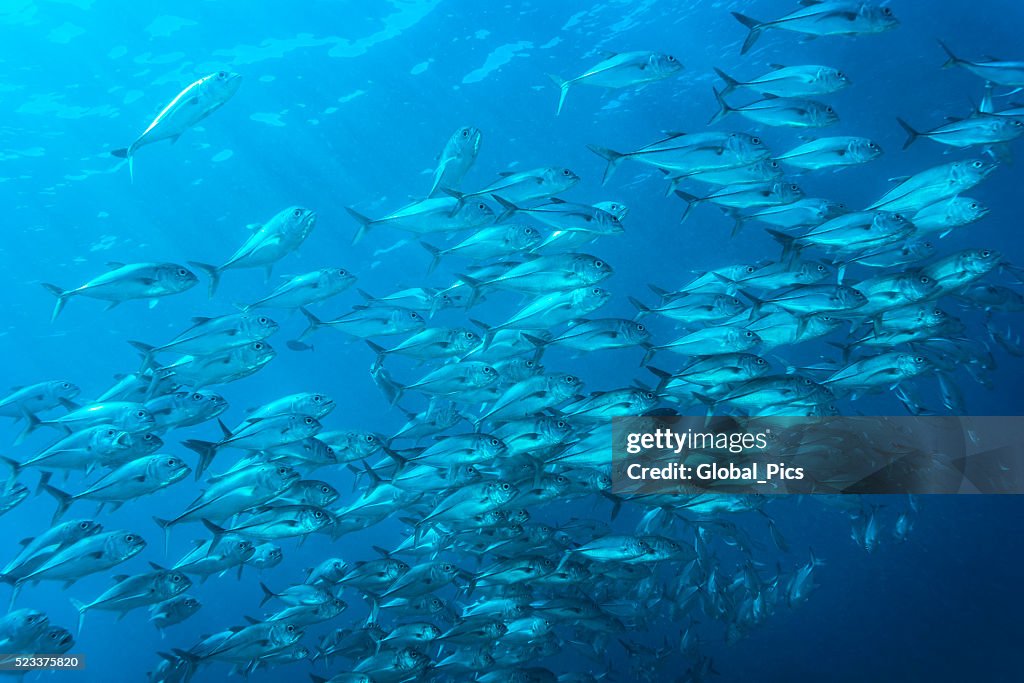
pixel 347 104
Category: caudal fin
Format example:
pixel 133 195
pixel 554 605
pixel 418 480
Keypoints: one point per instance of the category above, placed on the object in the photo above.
pixel 206 451
pixel 952 60
pixel 911 133
pixel 730 83
pixel 564 90
pixel 611 156
pixel 126 153
pixel 435 253
pixel 690 201
pixel 509 207
pixel 364 223
pixel 63 499
pixel 62 298
pixel 314 323
pixel 267 594
pixel 723 107
pixel 754 26
pixel 212 271
pixel 82 609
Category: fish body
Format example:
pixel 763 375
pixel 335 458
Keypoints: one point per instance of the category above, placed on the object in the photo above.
pixel 828 18
pixel 124 282
pixel 832 153
pixel 457 157
pixel 791 81
pixel 623 70
pixel 193 104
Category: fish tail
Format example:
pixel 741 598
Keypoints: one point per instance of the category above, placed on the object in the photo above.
pixel 380 351
pixel 267 594
pixel 754 26
pixel 166 525
pixel 564 90
pixel 206 451
pixel 912 134
pixel 641 307
pixel 952 60
pixel 474 287
pixel 62 298
pixel 663 377
pixel 392 390
pixel 64 500
pixel 364 223
pixel 31 424
pixel 147 352
pixel 788 242
pixel 82 609
pixel 314 323
pixel 459 197
pixel 611 156
pixel 755 309
pixel 739 220
pixel 541 344
pixel 648 355
pixel 509 207
pixel 15 469
pixel 690 201
pixel 212 271
pixel 730 83
pixel 723 107
pixel 436 253
pixel 217 531
pixel 489 332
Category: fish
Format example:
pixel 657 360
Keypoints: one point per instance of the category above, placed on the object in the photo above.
pixel 791 81
pixel 193 104
pixel 38 398
pixel 455 160
pixel 270 242
pixel 433 215
pixel 222 367
pixel 88 555
pixel 132 592
pixel 306 289
pixel 832 152
pixel 621 70
pixel 789 112
pixel 174 611
pixel 934 185
pixel 1000 72
pixel 127 281
pixel 824 18
pixel 213 335
pixel 368 321
pixel 969 132
pixel 491 242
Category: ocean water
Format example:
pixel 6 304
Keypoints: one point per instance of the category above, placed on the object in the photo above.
pixel 347 104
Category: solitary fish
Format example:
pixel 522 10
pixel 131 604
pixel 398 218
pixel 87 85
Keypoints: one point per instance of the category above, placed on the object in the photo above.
pixel 192 105
pixel 828 18
pixel 128 281
pixel 621 71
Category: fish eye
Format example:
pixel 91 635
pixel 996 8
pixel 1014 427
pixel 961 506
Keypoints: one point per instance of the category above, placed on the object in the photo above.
pixel 974 205
pixel 761 361
pixel 282 470
pixel 494 442
pixel 130 538
pixel 748 269
pixel 84 525
pixel 598 264
pixel 148 437
pixel 368 438
pixel 481 206
pixel 415 316
pixel 596 290
pixel 924 280
pixel 289 628
pixel 671 58
pixel 197 396
pixel 65 385
pixel 756 140
pixel 530 364
pixel 176 578
pixel 748 333
pixel 469 335
pixel 182 272
pixel 794 187
pixel 488 370
pixel 446 567
pixel 919 359
pixel 808 382
pixel 317 398
pixel 297 213
pixel 829 110
pixel 141 414
pixel 872 145
pixel 341 272
pixel 258 346
pixel 641 328
pixel 263 320
pixel 111 432
pixel 222 75
pixel 977 164
pixel 774 164
pixel 986 253
pixel 465 132
pixel 308 420
pixel 648 395
pixel 569 379
pixel 318 514
pixel 172 462
pixel 887 11
pixel 566 172
pixel 504 487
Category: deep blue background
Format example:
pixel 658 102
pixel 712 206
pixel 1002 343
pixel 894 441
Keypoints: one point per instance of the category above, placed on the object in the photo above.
pixel 365 98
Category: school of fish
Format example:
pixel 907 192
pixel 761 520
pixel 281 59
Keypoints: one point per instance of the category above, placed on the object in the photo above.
pixel 486 581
